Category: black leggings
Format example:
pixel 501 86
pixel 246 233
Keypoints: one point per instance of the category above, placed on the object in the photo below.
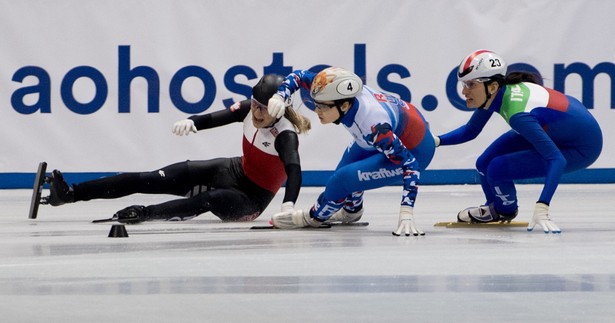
pixel 218 185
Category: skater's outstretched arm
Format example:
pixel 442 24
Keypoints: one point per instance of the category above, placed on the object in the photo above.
pixel 235 113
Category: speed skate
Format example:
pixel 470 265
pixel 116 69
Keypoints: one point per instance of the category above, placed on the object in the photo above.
pixel 472 225
pixel 39 180
pixel 322 226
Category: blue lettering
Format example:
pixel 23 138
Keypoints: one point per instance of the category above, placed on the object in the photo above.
pixel 43 89
pixel 125 77
pixel 175 89
pixel 277 66
pixel 391 87
pixel 451 92
pixel 100 93
pixel 40 93
pixel 231 85
pixel 360 61
pixel 560 72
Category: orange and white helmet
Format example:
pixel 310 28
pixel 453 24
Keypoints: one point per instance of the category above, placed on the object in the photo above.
pixel 334 83
pixel 481 64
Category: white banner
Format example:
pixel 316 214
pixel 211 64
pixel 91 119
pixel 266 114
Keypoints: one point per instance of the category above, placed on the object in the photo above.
pixel 94 86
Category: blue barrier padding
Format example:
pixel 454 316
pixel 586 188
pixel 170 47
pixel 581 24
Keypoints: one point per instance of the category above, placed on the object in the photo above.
pixel 319 178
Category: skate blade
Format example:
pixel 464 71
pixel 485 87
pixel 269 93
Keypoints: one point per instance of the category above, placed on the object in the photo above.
pixel 348 224
pixel 111 219
pixel 271 227
pixel 39 179
pixel 325 225
pixel 481 225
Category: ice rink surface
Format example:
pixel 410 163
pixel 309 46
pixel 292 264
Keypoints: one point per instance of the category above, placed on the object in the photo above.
pixel 61 267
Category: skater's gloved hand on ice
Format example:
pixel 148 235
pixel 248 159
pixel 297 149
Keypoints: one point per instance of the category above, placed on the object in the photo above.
pixel 183 127
pixel 406 222
pixel 541 217
pixel 276 106
pixel 436 139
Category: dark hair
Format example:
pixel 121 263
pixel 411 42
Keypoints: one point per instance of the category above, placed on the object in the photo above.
pixel 518 77
pixel 340 102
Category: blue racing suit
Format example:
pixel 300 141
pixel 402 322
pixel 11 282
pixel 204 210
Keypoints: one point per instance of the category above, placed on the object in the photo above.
pixel 551 134
pixel 392 142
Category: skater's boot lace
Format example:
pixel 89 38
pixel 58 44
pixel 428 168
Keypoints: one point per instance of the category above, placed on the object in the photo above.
pixel 484 214
pixel 344 216
pixel 131 215
pixel 60 192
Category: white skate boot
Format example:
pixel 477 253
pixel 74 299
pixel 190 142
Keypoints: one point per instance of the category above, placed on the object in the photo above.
pixel 344 216
pixel 483 214
pixel 294 220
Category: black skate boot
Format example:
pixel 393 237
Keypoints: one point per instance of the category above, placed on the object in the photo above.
pixel 60 192
pixel 131 215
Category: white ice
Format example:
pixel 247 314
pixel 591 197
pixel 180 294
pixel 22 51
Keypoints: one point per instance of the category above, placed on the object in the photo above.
pixel 61 267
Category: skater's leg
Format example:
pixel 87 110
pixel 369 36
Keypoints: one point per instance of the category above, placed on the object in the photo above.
pixel 176 179
pixel 372 172
pixel 492 166
pixel 227 204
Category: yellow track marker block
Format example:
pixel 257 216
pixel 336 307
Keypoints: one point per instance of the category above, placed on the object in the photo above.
pixel 481 225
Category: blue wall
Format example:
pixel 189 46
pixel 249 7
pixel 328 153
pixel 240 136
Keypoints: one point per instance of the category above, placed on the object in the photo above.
pixel 319 178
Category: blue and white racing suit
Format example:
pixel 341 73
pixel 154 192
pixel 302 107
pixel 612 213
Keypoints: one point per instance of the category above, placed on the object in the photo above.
pixel 392 142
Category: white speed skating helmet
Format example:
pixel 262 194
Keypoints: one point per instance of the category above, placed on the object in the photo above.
pixel 335 83
pixel 481 64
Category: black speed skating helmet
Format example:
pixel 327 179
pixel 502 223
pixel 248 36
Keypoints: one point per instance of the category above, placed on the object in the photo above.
pixel 266 87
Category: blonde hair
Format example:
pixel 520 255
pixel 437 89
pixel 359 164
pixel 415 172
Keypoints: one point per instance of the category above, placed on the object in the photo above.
pixel 299 121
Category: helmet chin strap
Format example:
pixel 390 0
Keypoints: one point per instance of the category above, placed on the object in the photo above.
pixel 488 95
pixel 341 113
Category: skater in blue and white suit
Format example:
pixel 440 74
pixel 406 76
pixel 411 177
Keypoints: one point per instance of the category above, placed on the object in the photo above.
pixel 392 143
pixel 551 134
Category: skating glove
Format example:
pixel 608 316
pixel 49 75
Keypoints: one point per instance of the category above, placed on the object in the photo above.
pixel 288 206
pixel 276 106
pixel 406 222
pixel 436 139
pixel 541 217
pixel 184 127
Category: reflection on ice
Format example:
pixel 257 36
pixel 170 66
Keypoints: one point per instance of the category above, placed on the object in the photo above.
pixel 63 266
pixel 310 284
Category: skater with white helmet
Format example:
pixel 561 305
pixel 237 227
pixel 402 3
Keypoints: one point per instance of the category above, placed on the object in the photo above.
pixel 551 134
pixel 392 143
